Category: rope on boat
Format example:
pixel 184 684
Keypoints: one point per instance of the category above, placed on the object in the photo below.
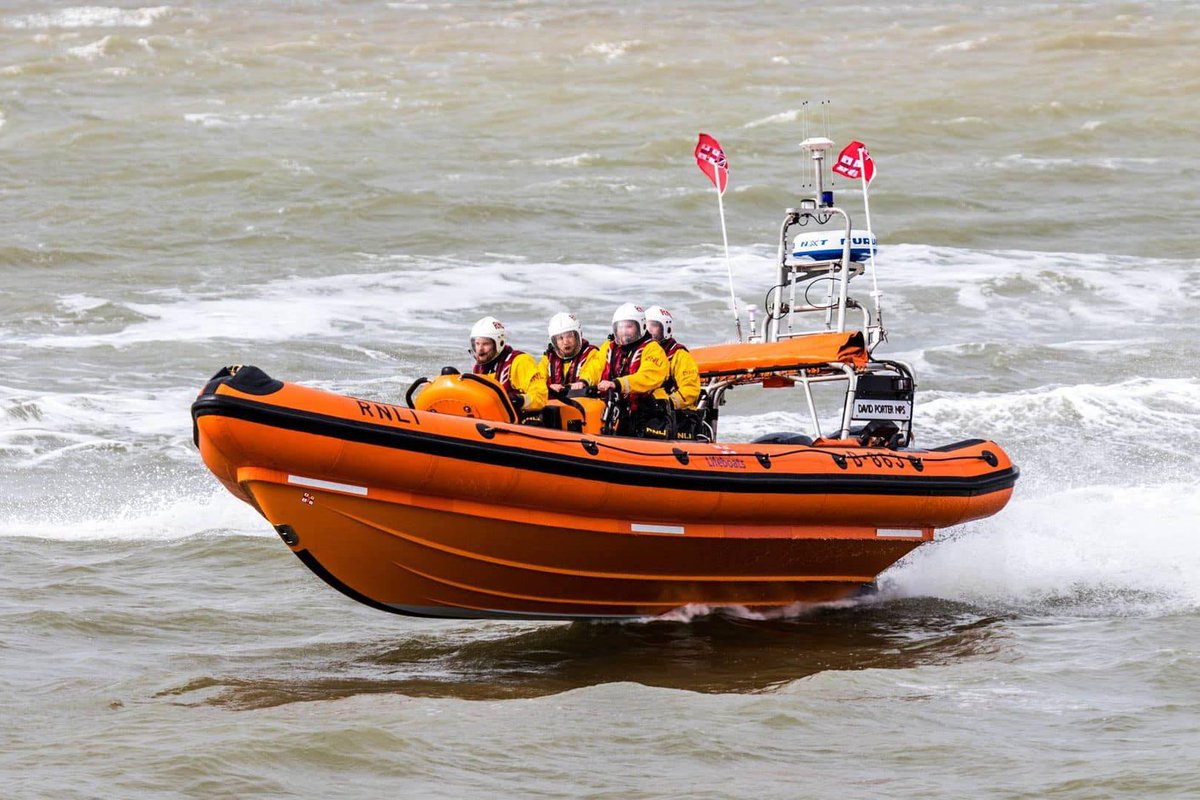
pixel 841 460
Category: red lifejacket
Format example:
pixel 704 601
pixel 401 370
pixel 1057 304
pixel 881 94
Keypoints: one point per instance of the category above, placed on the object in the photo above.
pixel 567 372
pixel 671 347
pixel 499 366
pixel 624 360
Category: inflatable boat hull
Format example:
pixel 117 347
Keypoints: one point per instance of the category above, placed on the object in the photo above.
pixel 434 515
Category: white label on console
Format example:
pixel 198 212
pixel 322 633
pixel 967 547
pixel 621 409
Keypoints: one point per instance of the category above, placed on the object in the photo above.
pixel 883 409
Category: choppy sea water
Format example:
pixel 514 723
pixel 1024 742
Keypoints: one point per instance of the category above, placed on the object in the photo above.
pixel 334 192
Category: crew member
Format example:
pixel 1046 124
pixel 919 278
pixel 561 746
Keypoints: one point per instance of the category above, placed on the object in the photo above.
pixel 683 384
pixel 636 367
pixel 517 372
pixel 570 361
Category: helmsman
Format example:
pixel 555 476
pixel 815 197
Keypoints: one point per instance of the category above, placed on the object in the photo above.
pixel 636 367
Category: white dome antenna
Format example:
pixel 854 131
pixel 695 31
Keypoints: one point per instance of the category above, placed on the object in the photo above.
pixel 817 147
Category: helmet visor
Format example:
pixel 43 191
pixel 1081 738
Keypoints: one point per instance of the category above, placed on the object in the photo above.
pixel 626 331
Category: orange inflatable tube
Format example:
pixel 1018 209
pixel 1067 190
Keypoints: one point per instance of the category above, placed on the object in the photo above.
pixel 471 514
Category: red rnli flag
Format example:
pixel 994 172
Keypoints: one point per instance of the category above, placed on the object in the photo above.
pixel 853 161
pixel 710 158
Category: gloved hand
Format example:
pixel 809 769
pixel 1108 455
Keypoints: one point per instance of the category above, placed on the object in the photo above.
pixel 518 401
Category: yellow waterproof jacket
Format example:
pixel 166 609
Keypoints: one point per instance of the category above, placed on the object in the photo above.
pixel 592 367
pixel 650 370
pixel 683 387
pixel 527 379
pixel 517 372
pixel 589 371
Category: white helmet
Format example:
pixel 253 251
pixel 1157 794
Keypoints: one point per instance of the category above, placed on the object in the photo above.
pixel 563 322
pixel 662 317
pixel 630 312
pixel 489 328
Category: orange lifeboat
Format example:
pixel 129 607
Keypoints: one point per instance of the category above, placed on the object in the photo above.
pixel 449 506
pixel 453 506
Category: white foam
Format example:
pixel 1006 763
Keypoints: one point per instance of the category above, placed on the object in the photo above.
pixel 1092 287
pixel 90 17
pixel 140 515
pixel 208 120
pixel 1006 285
pixel 611 50
pixel 512 22
pixel 783 116
pixel 44 426
pixel 1106 547
pixel 339 99
pixel 696 611
pixel 964 46
pixel 577 160
pixel 295 167
pixel 1162 414
pixel 93 51
pixel 958 121
pixel 212 120
pixel 1131 412
pixel 1040 163
pixel 413 295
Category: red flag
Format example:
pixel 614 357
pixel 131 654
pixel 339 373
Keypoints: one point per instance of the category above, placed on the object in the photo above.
pixel 710 158
pixel 850 163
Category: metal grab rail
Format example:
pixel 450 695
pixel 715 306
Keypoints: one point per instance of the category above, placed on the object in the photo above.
pixel 714 392
pixel 788 273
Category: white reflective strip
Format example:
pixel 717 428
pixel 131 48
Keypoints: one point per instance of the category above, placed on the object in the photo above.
pixel 638 527
pixel 903 532
pixel 318 484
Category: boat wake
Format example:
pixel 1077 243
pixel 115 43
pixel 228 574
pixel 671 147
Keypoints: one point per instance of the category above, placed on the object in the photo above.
pixel 1098 550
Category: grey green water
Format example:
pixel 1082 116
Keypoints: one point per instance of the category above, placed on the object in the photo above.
pixel 335 191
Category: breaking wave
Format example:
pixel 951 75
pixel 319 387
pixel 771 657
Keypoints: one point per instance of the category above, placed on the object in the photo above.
pixel 1109 548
